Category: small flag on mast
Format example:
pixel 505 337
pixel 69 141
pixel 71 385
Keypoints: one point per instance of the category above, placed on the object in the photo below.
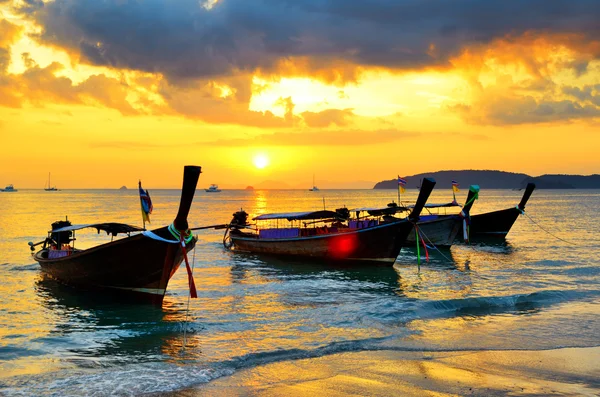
pixel 401 184
pixel 146 204
pixel 455 186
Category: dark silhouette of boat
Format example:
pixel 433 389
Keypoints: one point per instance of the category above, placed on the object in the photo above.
pixel 138 267
pixel 442 230
pixel 337 242
pixel 497 224
pixel 439 230
pixel 50 188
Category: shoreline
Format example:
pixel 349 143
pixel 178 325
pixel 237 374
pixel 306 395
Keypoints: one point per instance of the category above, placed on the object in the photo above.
pixel 564 371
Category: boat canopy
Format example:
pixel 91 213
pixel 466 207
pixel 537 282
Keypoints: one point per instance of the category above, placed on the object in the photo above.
pixel 110 228
pixel 433 205
pixel 375 211
pixel 295 216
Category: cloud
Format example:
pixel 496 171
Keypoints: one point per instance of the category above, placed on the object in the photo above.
pixel 136 145
pixel 39 86
pixel 328 117
pixel 222 101
pixel 589 93
pixel 523 110
pixel 529 79
pixel 319 138
pixel 9 33
pixel 188 41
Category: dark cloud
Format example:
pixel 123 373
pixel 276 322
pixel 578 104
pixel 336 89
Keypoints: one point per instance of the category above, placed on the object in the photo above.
pixel 503 110
pixel 185 40
pixel 589 93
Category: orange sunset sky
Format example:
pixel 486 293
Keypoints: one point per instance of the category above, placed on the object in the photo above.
pixel 101 93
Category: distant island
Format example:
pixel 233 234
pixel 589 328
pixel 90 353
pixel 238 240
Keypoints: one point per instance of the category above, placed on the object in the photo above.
pixel 492 179
pixel 249 188
pixel 123 187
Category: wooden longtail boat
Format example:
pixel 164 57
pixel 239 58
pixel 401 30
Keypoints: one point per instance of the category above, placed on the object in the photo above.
pixel 439 230
pixel 497 224
pixel 138 267
pixel 376 243
pixel 442 230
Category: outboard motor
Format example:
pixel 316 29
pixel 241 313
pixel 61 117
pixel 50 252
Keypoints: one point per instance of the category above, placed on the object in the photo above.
pixel 344 213
pixel 61 238
pixel 239 220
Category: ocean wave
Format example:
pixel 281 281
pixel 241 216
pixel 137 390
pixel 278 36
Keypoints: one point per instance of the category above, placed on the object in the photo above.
pixel 488 305
pixel 9 352
pixel 149 378
pixel 401 312
pixel 127 381
pixel 23 268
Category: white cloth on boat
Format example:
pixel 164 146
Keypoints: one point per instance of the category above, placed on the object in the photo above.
pixel 151 235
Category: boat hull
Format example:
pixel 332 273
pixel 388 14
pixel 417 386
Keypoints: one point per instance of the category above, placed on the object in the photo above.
pixel 440 231
pixel 379 244
pixel 138 266
pixel 494 224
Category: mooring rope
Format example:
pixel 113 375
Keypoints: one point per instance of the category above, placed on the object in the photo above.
pixel 540 226
pixel 434 247
pixel 187 310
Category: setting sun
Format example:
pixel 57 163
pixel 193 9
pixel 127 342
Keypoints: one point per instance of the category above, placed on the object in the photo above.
pixel 261 161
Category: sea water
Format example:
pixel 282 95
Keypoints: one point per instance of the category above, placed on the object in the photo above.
pixel 533 291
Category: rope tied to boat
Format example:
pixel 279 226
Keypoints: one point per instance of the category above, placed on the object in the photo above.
pixel 191 283
pixel 433 245
pixel 417 235
pixel 188 236
pixel 178 235
pixel 187 311
pixel 540 226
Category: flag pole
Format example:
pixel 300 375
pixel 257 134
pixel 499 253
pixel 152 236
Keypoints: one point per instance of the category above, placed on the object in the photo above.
pixel 142 205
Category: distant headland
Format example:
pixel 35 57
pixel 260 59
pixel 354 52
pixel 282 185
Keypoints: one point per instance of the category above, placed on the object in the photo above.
pixel 492 179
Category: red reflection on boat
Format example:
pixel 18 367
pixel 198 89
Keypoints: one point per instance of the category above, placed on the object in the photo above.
pixel 342 246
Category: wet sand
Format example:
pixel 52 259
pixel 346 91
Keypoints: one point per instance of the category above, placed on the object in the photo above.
pixel 564 372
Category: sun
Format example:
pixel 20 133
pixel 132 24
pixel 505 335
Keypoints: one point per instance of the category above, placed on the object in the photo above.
pixel 261 161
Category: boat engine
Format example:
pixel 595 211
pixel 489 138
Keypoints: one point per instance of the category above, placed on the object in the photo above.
pixel 344 213
pixel 239 220
pixel 60 238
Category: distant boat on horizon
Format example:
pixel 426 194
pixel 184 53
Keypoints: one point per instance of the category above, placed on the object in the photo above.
pixel 314 188
pixel 9 188
pixel 213 189
pixel 50 188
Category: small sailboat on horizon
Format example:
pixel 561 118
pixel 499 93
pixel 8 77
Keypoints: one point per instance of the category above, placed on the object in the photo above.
pixel 314 188
pixel 50 188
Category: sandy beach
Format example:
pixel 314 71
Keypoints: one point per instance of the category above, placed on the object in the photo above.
pixel 564 372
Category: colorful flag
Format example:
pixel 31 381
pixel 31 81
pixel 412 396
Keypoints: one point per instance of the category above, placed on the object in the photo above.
pixel 455 186
pixel 146 203
pixel 401 184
